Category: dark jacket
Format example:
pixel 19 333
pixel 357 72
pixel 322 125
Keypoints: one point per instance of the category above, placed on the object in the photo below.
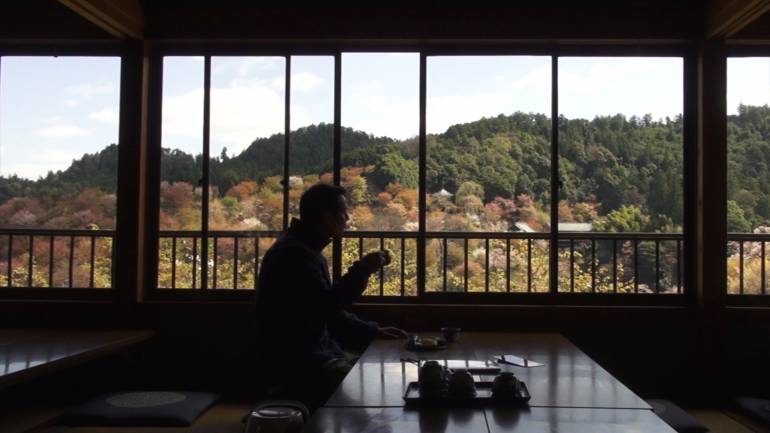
pixel 301 317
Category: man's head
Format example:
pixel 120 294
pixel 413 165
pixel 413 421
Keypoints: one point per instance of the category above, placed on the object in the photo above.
pixel 324 208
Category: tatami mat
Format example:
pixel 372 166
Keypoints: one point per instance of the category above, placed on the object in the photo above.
pixel 222 418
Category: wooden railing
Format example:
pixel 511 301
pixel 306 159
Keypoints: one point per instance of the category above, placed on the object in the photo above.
pixel 506 262
pixel 50 258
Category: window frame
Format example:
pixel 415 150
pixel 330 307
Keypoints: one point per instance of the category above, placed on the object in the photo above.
pixel 740 300
pixel 687 52
pixel 119 273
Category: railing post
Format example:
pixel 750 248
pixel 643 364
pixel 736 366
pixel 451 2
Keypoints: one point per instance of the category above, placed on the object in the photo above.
pixel 9 271
pixel 206 158
pixel 30 260
pixel 422 184
pixel 50 260
pixel 336 157
pixel 508 265
pixel 553 262
pixel 235 262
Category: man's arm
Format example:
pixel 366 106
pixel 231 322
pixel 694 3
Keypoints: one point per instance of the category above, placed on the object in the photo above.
pixel 353 283
pixel 350 286
pixel 351 331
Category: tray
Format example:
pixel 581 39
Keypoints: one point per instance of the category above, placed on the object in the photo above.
pixel 442 344
pixel 483 397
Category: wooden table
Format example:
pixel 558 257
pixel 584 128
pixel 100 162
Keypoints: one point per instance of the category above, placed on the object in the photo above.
pixel 26 354
pixel 570 393
pixel 533 420
pixel 569 377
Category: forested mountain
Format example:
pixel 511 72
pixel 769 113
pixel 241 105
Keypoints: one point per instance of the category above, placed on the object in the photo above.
pixel 748 159
pixel 609 164
pixel 97 170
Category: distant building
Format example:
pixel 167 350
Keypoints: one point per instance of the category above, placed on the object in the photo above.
pixel 443 194
pixel 523 227
pixel 296 182
pixel 575 227
pixel 563 227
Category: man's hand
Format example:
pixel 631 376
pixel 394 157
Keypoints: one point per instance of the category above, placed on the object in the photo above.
pixel 374 261
pixel 391 333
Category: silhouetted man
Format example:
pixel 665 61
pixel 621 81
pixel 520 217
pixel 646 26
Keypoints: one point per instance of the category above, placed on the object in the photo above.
pixel 303 322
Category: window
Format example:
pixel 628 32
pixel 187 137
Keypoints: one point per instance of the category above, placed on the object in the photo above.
pixel 58 166
pixel 748 178
pixel 223 191
pixel 379 144
pixel 476 215
pixel 488 171
pixel 181 172
pixel 621 172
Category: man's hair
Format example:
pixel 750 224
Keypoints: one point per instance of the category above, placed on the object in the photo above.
pixel 319 199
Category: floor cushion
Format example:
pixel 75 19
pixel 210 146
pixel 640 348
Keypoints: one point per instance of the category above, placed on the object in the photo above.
pixel 676 417
pixel 142 408
pixel 757 408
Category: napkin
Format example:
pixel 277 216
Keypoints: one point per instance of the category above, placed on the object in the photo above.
pixel 517 361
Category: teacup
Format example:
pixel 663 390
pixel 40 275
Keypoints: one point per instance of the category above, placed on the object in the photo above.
pixel 461 383
pixel 432 373
pixel 506 386
pixel 450 333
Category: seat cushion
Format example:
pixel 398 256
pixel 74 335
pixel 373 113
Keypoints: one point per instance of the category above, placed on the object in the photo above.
pixel 757 408
pixel 676 417
pixel 142 408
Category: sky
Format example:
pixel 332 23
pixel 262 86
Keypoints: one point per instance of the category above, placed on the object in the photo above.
pixel 53 110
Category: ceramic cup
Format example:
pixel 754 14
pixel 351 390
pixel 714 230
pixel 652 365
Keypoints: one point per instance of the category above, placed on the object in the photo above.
pixel 451 333
pixel 432 372
pixel 506 386
pixel 461 384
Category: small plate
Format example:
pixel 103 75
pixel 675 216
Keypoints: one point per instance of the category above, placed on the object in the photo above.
pixel 417 347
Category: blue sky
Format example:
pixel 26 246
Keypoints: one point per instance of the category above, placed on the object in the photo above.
pixel 53 110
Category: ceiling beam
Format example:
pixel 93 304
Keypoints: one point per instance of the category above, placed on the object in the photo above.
pixel 123 19
pixel 725 18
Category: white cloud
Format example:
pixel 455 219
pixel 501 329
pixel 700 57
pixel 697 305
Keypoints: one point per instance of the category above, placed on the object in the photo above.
pixel 79 92
pixel 300 116
pixel 748 82
pixel 90 89
pixel 106 115
pixel 244 66
pixel 632 86
pixel 43 162
pixel 278 83
pixel 370 107
pixel 239 114
pixel 538 78
pixel 305 82
pixel 445 111
pixel 63 131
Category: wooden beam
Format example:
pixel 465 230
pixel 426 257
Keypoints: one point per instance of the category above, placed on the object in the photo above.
pixel 725 18
pixel 123 19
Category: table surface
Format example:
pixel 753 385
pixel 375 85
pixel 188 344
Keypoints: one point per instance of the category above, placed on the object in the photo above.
pixel 532 420
pixel 25 354
pixel 569 378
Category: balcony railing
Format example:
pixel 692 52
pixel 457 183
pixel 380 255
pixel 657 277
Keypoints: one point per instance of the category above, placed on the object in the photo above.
pixel 455 261
pixel 51 258
pixel 471 262
pixel 746 263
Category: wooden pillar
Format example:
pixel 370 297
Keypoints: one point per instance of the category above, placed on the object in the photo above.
pixel 129 239
pixel 712 182
pixel 712 205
